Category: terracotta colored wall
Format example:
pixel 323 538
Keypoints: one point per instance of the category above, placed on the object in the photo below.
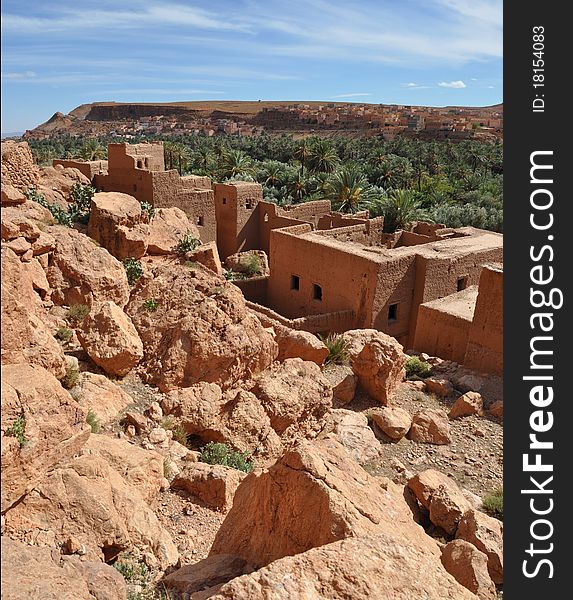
pixel 89 168
pixel 441 334
pixel 485 340
pixel 254 289
pixel 346 278
pixel 368 232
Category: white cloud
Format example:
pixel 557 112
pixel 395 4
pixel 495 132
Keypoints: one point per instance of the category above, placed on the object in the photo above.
pixel 24 75
pixel 457 85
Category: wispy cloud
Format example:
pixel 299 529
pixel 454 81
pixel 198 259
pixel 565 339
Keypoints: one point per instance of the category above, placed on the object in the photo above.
pixel 352 95
pixel 456 85
pixel 415 86
pixel 19 76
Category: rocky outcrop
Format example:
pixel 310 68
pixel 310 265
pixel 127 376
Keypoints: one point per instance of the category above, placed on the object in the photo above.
pixel 118 224
pixel 299 344
pixel 351 429
pixel 343 382
pixel 18 168
pixel 440 495
pixel 205 574
pixel 110 339
pixel 208 256
pixel 26 338
pixel 63 503
pixel 41 426
pixel 142 469
pixel 213 484
pixel 167 227
pixel 374 567
pixel 100 395
pixel 314 495
pixel 82 273
pixel 201 330
pixel 379 364
pixel 469 567
pixel 11 195
pixel 440 387
pixel 469 404
pixel 393 421
pixel 30 572
pixel 486 534
pixel 251 263
pixel 295 395
pixel 235 417
pixel 56 183
pixel 430 426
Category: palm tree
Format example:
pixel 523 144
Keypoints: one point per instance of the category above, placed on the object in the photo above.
pixel 235 163
pixel 349 189
pixel 176 156
pixel 399 208
pixel 272 173
pixel 322 157
pixel 302 153
pixel 298 187
pixel 93 150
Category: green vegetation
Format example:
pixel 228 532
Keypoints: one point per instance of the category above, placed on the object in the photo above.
pixel 179 434
pixel 337 349
pixel 454 184
pixel 253 266
pixel 493 503
pixel 221 454
pixel 415 367
pixel 77 313
pixel 133 570
pixel 71 377
pixel 17 430
pixel 147 208
pixel 133 270
pixel 93 422
pixel 64 334
pixel 151 305
pixel 187 243
pixel 78 210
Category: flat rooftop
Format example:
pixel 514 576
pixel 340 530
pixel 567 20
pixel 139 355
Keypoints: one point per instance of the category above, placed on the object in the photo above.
pixel 460 304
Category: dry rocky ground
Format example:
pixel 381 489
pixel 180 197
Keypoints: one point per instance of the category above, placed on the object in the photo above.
pixel 364 485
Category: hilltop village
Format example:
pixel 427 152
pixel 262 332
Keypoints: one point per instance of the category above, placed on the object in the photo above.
pixel 208 395
pixel 251 119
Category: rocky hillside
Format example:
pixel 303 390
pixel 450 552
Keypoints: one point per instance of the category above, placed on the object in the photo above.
pixel 159 441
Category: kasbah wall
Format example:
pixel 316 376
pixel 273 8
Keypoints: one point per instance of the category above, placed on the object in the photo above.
pixel 328 271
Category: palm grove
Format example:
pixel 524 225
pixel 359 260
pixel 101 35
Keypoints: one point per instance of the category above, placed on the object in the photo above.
pixel 403 179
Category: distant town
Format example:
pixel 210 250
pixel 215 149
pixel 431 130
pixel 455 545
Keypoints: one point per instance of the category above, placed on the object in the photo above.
pixel 254 118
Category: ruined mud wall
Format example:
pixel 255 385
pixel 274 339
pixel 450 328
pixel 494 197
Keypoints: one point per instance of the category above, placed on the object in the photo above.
pixel 485 339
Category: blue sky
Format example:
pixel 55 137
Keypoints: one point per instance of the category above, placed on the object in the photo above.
pixel 57 55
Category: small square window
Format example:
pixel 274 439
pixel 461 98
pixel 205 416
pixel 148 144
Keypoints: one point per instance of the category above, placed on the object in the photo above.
pixel 316 292
pixel 294 282
pixel 224 200
pixel 462 283
pixel 248 204
pixel 392 312
pixel 200 221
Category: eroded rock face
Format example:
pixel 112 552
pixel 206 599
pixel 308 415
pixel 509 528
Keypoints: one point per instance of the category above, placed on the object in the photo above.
pixel 82 273
pixel 201 330
pixel 120 520
pixel 295 395
pixel 100 395
pixel 314 495
pixel 351 429
pixel 118 224
pixel 441 497
pixel 374 567
pixel 25 336
pixel 30 572
pixel 469 567
pixel 213 484
pixel 343 382
pixel 142 469
pixel 11 195
pixel 53 427
pixel 167 227
pixel 110 338
pixel 486 534
pixel 56 183
pixel 251 262
pixel 380 366
pixel 299 344
pixel 18 168
pixel 208 256
pixel 430 426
